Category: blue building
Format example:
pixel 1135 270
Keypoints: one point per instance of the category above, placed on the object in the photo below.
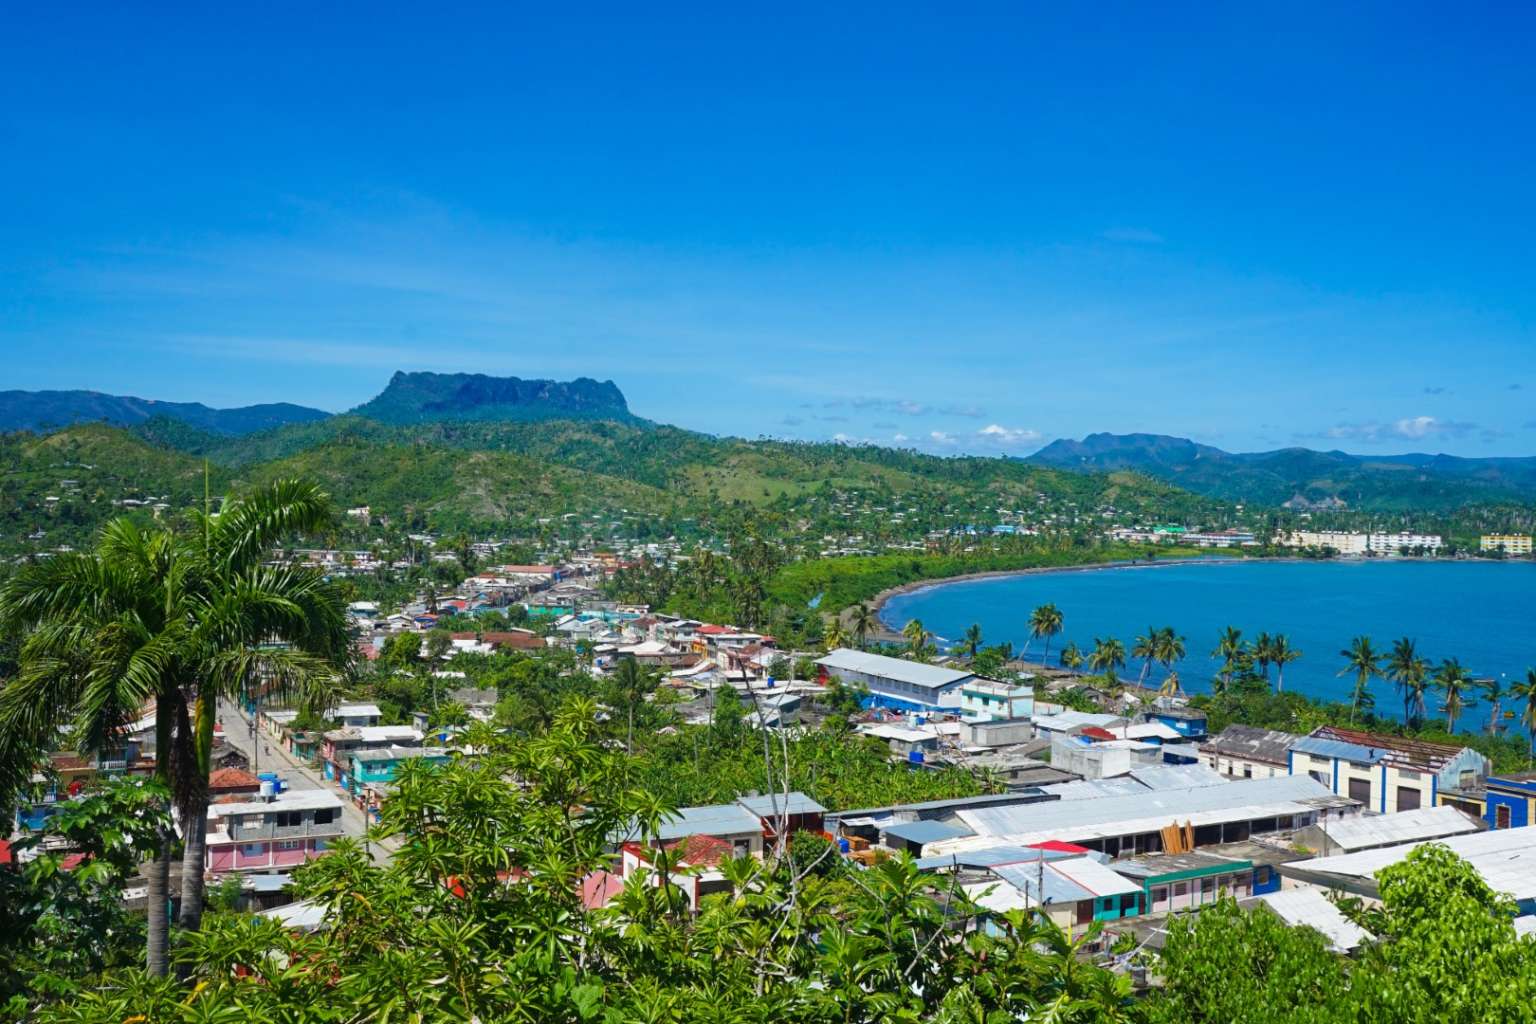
pixel 1510 800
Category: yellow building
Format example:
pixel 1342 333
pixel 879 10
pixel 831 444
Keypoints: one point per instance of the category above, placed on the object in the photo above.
pixel 1510 543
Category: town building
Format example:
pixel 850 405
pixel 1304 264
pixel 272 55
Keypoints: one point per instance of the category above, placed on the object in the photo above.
pixel 895 682
pixel 1136 823
pixel 1502 801
pixel 270 835
pixel 1369 831
pixel 1501 857
pixel 991 700
pixel 1246 752
pixel 1509 543
pixel 1361 544
pixel 1385 773
pixel 338 745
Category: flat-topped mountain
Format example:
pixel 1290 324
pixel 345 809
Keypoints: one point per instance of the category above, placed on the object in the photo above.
pixel 1300 477
pixel 433 397
pixel 49 410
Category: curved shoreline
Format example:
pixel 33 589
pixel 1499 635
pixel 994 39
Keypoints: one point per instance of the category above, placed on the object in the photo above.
pixel 878 602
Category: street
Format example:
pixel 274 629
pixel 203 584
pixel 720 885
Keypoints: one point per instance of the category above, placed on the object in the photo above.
pixel 267 756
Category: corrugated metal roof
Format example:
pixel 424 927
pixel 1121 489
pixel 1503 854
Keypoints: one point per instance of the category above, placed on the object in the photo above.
pixel 792 803
pixel 1311 908
pixel 1323 747
pixel 915 673
pixel 1505 858
pixel 714 819
pixel 1093 789
pixel 1176 776
pixel 1268 745
pixel 1095 877
pixel 1425 823
pixel 924 831
pixel 1148 811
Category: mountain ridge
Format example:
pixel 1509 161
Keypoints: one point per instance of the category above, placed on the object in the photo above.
pixel 39 411
pixel 424 397
pixel 1300 477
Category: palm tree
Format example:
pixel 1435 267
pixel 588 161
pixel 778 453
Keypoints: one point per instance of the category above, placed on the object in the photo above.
pixel 1045 622
pixel 1361 659
pixel 1171 686
pixel 1452 678
pixel 1108 657
pixel 1525 693
pixel 1229 647
pixel 835 636
pixel 632 683
pixel 1416 684
pixel 1169 648
pixel 1399 664
pixel 1281 654
pixel 863 622
pixel 1145 647
pixel 155 616
pixel 1071 657
pixel 971 640
pixel 1262 645
pixel 917 636
pixel 1494 690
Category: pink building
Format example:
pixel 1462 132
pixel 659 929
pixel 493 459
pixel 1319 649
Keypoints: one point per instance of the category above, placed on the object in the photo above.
pixel 273 834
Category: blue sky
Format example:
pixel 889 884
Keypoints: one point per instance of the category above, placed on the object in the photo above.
pixel 960 228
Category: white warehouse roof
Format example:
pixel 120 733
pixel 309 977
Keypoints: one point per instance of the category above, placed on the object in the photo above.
pixel 931 677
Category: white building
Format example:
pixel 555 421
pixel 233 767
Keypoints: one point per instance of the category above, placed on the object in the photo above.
pixel 894 682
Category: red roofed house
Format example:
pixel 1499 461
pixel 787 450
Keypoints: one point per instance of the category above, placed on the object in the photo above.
pixel 231 781
pixel 695 865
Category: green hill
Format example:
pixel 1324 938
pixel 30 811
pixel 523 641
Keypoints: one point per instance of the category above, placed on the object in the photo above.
pixel 1301 476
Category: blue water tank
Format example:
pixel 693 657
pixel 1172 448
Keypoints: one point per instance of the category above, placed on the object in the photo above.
pixel 916 757
pixel 842 846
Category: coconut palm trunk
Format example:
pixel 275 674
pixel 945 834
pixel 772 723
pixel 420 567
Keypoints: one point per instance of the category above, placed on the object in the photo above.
pixel 157 890
pixel 194 822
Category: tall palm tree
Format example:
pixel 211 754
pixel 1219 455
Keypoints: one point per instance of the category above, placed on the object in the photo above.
pixel 1416 686
pixel 1524 693
pixel 1229 648
pixel 1263 646
pixel 1281 654
pixel 1494 690
pixel 633 683
pixel 917 636
pixel 863 622
pixel 1071 657
pixel 1361 659
pixel 835 635
pixel 1108 657
pixel 971 640
pixel 1454 681
pixel 1169 648
pixel 1145 648
pixel 156 616
pixel 1044 623
pixel 1397 667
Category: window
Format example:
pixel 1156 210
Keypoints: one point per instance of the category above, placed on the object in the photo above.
pixel 285 819
pixel 1468 778
pixel 1501 816
pixel 1407 775
pixel 1247 771
pixel 290 844
pixel 253 850
pixel 1319 777
pixel 1407 798
pixel 325 815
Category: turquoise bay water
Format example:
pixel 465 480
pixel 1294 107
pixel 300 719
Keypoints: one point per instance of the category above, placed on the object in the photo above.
pixel 1481 612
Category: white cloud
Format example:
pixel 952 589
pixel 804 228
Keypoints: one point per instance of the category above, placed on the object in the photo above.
pixel 999 436
pixel 1409 428
pixel 944 438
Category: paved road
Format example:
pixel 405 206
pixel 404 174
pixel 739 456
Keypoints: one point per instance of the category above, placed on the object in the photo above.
pixel 266 756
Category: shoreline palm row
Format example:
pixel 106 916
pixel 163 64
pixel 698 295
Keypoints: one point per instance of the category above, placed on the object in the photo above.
pixel 1414 677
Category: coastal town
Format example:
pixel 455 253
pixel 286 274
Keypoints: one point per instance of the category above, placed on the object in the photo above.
pixel 900 514
pixel 1111 819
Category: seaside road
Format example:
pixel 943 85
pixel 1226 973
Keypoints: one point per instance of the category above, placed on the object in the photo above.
pixel 267 756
